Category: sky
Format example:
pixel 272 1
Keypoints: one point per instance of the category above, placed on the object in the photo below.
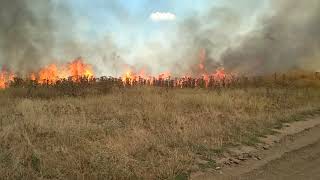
pixel 140 38
pixel 129 20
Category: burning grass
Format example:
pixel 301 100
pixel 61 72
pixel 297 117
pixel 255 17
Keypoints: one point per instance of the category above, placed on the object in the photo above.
pixel 139 132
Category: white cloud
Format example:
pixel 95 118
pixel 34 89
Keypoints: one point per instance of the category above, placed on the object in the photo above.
pixel 162 16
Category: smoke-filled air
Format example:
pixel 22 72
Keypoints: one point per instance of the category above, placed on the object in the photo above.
pixel 175 38
pixel 159 89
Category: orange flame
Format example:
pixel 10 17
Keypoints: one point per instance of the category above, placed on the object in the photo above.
pixel 2 80
pixel 128 78
pixel 79 69
pixel 6 78
pixel 220 74
pixel 164 75
pixel 33 77
pixel 48 75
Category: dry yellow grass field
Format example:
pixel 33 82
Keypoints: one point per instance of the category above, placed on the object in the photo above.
pixel 138 133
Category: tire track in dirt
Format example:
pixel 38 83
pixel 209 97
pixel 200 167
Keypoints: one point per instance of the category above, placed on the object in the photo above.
pixel 293 153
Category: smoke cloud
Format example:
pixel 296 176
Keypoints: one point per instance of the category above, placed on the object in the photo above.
pixel 237 36
pixel 26 33
pixel 179 47
pixel 36 33
pixel 286 37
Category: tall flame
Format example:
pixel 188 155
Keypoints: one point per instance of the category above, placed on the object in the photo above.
pixel 2 80
pixel 5 78
pixel 79 69
pixel 48 75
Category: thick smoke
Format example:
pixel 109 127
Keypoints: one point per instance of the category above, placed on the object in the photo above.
pixel 212 30
pixel 282 36
pixel 26 33
pixel 286 37
pixel 36 33
pixel 237 36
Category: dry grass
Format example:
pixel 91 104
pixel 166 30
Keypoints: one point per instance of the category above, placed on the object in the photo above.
pixel 137 133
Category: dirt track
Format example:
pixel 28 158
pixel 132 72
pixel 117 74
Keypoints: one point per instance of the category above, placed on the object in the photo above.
pixel 297 165
pixel 296 157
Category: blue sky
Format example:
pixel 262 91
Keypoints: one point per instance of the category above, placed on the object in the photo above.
pixel 128 20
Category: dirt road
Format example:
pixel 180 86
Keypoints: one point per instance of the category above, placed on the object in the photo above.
pixel 302 164
pixel 296 157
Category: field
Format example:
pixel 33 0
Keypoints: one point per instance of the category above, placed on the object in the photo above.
pixel 138 132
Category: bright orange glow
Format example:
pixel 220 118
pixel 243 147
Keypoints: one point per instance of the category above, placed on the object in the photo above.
pixel 79 69
pixel 33 77
pixel 2 80
pixel 128 78
pixel 164 75
pixel 220 74
pixel 131 78
pixel 48 75
pixel 6 78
